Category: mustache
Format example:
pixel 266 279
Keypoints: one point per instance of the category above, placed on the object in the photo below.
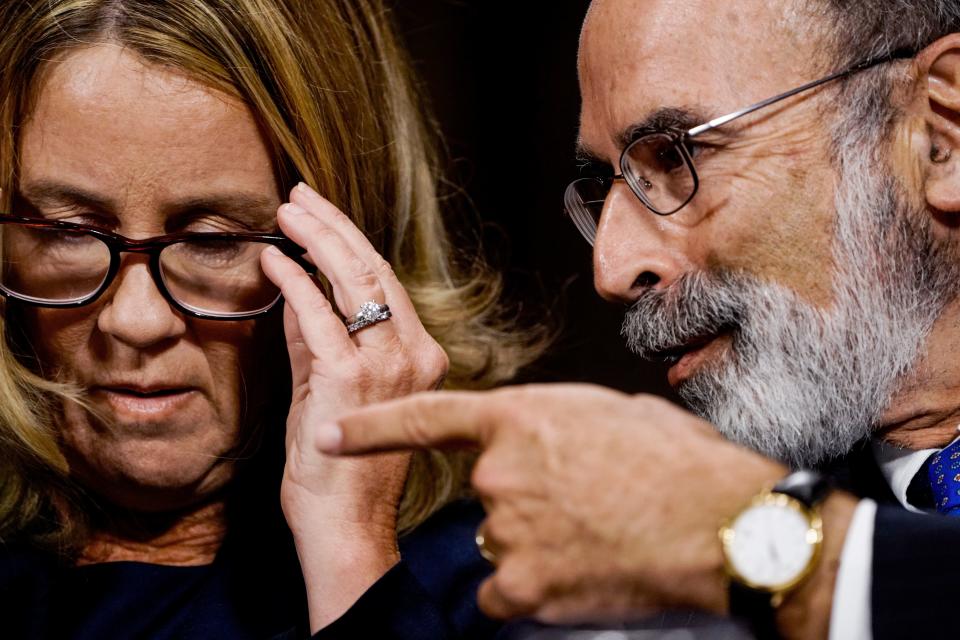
pixel 697 306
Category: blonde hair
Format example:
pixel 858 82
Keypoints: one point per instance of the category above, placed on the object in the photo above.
pixel 333 92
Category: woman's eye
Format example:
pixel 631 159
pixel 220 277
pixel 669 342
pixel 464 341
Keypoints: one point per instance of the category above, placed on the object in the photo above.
pixel 85 219
pixel 206 225
pixel 210 222
pixel 213 252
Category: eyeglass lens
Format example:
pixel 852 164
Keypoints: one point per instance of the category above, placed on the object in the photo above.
pixel 658 170
pixel 57 266
pixel 52 265
pixel 217 276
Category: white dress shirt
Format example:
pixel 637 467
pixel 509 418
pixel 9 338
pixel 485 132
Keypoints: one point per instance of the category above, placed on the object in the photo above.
pixel 851 618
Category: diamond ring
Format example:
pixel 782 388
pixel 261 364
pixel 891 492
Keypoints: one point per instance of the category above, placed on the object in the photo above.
pixel 370 314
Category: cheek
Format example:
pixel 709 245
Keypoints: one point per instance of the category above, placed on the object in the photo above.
pixel 781 229
pixel 245 360
pixel 226 351
pixel 61 338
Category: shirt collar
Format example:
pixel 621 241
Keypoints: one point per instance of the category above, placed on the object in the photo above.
pixel 899 466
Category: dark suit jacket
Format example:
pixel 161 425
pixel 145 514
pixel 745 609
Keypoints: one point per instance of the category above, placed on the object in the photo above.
pixel 916 559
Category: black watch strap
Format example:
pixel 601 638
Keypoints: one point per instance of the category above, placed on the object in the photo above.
pixel 756 609
pixel 753 605
pixel 809 487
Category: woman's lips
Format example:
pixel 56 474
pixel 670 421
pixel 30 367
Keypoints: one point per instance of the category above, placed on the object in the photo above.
pixel 139 405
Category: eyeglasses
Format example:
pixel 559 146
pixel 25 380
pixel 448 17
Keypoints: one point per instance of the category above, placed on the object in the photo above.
pixel 658 165
pixel 215 276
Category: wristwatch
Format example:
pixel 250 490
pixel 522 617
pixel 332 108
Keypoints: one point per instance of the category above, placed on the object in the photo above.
pixel 771 546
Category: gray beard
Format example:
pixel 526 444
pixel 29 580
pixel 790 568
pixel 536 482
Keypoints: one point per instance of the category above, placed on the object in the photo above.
pixel 802 384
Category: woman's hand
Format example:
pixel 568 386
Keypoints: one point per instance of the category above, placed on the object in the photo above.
pixel 343 511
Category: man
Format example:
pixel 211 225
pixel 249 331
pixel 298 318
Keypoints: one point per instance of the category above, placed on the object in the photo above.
pixel 798 264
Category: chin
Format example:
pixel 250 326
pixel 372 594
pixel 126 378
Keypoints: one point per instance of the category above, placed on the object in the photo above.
pixel 151 483
pixel 151 465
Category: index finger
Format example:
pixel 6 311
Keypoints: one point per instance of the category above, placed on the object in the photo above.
pixel 422 421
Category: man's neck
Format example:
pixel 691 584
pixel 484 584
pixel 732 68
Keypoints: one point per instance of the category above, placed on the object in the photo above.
pixel 925 412
pixel 190 538
pixel 933 430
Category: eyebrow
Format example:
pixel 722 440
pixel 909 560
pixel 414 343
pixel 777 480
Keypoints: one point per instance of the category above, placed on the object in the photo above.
pixel 251 209
pixel 50 193
pixel 682 118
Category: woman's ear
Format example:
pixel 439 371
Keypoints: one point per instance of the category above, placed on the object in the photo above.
pixel 940 64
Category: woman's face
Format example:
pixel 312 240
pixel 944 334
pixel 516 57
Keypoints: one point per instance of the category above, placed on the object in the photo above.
pixel 144 151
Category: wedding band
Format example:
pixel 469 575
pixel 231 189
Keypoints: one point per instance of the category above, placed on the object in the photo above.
pixel 484 547
pixel 370 314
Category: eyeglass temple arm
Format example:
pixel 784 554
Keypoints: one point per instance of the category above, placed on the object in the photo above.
pixel 900 54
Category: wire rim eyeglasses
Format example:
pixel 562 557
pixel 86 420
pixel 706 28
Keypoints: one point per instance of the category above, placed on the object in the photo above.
pixel 659 167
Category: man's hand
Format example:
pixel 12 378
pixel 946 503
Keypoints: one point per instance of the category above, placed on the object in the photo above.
pixel 599 505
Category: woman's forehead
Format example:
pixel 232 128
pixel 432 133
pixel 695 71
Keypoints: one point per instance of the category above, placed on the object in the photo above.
pixel 110 123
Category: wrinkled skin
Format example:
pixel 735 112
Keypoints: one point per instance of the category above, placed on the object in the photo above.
pixel 607 506
pixel 121 145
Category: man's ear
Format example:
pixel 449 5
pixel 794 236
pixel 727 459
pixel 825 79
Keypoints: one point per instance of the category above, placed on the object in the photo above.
pixel 940 64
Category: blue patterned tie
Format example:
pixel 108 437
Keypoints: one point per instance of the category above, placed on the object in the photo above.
pixel 944 472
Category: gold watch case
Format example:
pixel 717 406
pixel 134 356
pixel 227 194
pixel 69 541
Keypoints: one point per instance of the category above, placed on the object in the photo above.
pixel 814 538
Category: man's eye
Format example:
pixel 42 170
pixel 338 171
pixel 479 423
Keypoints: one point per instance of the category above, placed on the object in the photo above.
pixel 700 148
pixel 668 158
pixel 693 149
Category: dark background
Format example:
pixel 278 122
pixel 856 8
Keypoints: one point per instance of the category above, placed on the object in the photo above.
pixel 501 78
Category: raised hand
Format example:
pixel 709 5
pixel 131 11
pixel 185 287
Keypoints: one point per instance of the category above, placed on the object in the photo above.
pixel 343 511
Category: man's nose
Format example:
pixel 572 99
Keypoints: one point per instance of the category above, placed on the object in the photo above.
pixel 136 313
pixel 635 250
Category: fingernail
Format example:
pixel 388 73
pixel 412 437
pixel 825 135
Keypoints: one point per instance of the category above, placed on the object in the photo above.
pixel 272 250
pixel 303 186
pixel 329 437
pixel 293 209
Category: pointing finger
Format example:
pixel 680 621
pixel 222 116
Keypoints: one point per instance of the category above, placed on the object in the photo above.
pixel 426 420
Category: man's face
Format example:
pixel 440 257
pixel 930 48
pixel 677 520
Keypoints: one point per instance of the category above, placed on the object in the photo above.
pixel 766 184
pixel 121 145
pixel 790 297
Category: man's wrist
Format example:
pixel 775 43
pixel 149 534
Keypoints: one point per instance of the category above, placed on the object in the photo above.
pixel 805 612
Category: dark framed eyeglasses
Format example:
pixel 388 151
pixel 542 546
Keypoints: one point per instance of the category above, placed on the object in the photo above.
pixel 214 276
pixel 658 166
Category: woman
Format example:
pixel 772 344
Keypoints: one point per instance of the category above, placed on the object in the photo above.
pixel 150 154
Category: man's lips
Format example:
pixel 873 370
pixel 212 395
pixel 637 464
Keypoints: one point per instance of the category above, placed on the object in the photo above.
pixel 673 356
pixel 684 361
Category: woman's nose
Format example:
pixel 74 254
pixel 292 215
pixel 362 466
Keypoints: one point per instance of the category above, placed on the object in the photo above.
pixel 135 312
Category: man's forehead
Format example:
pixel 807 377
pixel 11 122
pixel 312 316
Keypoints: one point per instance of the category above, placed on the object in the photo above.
pixel 639 57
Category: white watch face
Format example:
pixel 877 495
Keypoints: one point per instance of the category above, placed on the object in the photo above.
pixel 770 545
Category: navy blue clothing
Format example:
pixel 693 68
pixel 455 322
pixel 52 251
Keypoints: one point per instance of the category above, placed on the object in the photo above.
pixel 249 592
pixel 915 559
